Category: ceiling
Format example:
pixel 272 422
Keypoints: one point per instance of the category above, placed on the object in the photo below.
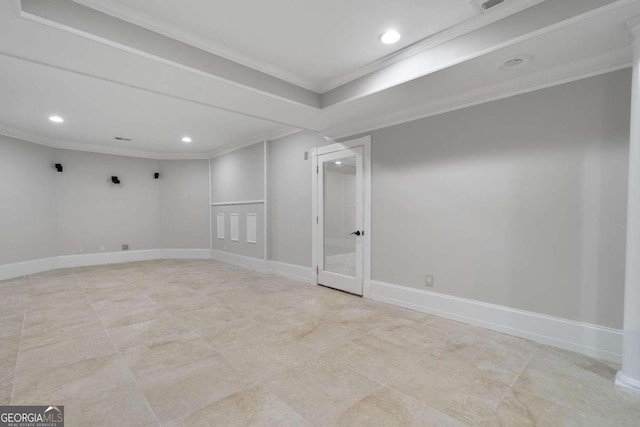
pixel 96 111
pixel 231 73
pixel 316 42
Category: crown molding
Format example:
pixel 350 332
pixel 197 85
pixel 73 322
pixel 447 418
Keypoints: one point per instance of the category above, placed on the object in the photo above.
pixel 93 148
pixel 567 73
pixel 129 15
pixel 133 17
pixel 430 42
pixel 246 142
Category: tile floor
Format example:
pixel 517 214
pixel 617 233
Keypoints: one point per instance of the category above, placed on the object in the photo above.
pixel 206 344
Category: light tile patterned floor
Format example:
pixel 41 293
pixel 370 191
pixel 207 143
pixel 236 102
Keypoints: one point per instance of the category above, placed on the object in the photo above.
pixel 203 343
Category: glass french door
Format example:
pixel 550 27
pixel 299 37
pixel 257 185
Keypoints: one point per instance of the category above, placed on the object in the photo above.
pixel 341 220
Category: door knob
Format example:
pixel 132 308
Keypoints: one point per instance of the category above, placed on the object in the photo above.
pixel 357 233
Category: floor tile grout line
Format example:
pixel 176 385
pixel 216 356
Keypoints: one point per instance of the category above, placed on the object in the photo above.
pixel 24 318
pixel 387 385
pixel 264 384
pixel 115 347
pixel 422 355
pixel 526 365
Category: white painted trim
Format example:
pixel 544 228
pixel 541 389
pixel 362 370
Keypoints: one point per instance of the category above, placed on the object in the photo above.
pixel 314 215
pixel 249 263
pixel 422 71
pixel 430 42
pixel 588 339
pixel 582 69
pixel 17 269
pixel 240 202
pixel 185 254
pixel 277 133
pixel 266 201
pixel 326 149
pixel 9 271
pixel 210 212
pixel 292 271
pixel 627 383
pixel 92 148
pixel 365 142
pixel 129 15
pixel 159 59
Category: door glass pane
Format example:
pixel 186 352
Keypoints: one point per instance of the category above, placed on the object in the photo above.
pixel 340 216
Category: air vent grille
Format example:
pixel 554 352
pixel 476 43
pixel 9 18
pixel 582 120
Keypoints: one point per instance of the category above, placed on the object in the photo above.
pixel 482 6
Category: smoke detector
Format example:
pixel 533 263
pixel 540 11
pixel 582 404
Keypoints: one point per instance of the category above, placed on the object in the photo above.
pixel 483 6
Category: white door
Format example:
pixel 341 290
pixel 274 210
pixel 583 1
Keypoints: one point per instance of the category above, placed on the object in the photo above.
pixel 340 220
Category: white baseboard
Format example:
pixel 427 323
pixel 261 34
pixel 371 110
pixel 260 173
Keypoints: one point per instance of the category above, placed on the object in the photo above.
pixel 18 269
pixel 185 254
pixel 10 271
pixel 250 263
pixel 591 340
pixel 627 383
pixel 85 260
pixel 292 271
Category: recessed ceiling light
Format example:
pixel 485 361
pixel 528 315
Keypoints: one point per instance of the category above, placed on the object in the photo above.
pixel 338 162
pixel 514 62
pixel 390 37
pixel 56 119
pixel 186 140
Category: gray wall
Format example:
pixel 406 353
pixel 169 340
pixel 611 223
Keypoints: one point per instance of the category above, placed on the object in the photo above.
pixel 28 209
pixel 238 176
pixel 290 198
pixel 184 204
pixel 519 202
pixel 45 213
pixel 94 213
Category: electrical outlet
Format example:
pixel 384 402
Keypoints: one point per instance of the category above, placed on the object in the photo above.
pixel 429 280
pixel 79 249
pixel 125 247
pixel 102 249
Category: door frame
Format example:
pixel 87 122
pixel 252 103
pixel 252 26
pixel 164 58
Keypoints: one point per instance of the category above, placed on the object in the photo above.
pixel 364 142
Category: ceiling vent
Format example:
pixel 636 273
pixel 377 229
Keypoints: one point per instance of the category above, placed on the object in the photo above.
pixel 483 6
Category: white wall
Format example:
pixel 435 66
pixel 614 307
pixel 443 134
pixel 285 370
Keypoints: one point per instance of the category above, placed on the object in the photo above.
pixel 184 204
pixel 28 209
pixel 519 202
pixel 94 213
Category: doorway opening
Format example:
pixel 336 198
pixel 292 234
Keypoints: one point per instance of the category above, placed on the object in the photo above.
pixel 341 217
